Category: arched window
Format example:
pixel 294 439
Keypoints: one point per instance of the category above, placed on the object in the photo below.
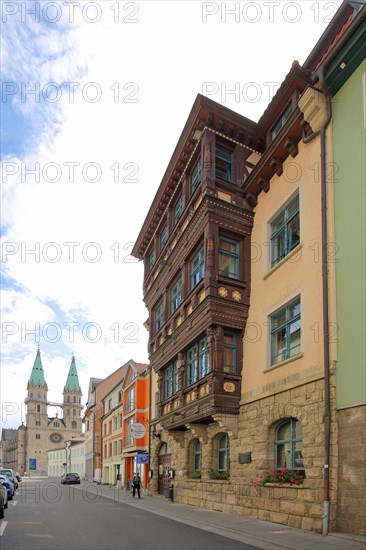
pixel 73 424
pixel 223 452
pixel 73 412
pixel 68 399
pixel 164 449
pixel 196 455
pixel 38 408
pixel 288 445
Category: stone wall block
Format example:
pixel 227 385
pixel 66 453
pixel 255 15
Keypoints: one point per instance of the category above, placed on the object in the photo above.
pixel 295 508
pixel 277 517
pixel 294 521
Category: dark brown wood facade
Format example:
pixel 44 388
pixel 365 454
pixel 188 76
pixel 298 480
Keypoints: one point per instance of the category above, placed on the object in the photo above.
pixel 187 223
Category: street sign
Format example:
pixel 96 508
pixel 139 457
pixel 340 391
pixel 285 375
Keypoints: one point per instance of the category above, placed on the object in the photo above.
pixel 138 430
pixel 142 458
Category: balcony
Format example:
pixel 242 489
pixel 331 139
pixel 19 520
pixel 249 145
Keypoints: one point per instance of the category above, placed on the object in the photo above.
pixel 216 393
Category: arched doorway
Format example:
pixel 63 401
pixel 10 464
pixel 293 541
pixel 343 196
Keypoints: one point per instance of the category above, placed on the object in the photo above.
pixel 164 464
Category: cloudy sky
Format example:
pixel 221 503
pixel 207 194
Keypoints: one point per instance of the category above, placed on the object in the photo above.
pixel 94 98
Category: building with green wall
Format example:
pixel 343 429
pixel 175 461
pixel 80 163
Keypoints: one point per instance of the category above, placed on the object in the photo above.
pixel 345 78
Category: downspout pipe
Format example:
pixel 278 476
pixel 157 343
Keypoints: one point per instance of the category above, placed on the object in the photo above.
pixel 326 353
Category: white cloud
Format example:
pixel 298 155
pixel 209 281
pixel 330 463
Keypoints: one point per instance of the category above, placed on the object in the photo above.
pixel 162 61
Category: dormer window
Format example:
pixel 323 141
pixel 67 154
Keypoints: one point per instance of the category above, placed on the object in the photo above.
pixel 281 122
pixel 178 209
pixel 224 163
pixel 196 176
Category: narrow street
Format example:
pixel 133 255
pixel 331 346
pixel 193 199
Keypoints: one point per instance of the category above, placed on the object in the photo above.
pixel 47 515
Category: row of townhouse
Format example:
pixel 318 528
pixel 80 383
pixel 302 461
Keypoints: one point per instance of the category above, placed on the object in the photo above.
pixel 116 426
pixel 254 279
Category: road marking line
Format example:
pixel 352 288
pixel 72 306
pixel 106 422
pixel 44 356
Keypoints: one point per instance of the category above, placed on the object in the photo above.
pixel 15 503
pixel 2 527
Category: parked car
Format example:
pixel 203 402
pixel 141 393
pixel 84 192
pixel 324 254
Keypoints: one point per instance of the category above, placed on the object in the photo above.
pixel 4 480
pixel 11 475
pixel 3 499
pixel 70 477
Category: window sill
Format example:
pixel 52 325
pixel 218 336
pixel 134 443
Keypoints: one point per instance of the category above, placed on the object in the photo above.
pixel 284 260
pixel 285 362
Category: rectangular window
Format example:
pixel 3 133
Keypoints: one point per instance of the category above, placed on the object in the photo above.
pixel 151 260
pixel 129 438
pixel 203 364
pixel 285 231
pixel 281 122
pixel 163 237
pixel 196 177
pixel 178 209
pixel 197 361
pixel 286 332
pixel 159 317
pixel 224 163
pixel 197 268
pixel 171 380
pixel 229 257
pixel 176 295
pixel 130 400
pixel 191 365
pixel 229 364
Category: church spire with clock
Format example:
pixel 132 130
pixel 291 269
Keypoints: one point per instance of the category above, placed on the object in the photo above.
pixel 72 399
pixel 43 433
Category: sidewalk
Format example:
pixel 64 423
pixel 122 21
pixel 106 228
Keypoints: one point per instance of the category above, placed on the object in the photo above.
pixel 261 534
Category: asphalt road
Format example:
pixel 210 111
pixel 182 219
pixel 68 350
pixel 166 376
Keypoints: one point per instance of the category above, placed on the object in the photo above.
pixel 46 515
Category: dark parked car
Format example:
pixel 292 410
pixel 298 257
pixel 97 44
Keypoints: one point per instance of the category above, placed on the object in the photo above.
pixel 70 478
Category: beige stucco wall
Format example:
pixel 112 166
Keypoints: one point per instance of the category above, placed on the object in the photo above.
pixel 297 274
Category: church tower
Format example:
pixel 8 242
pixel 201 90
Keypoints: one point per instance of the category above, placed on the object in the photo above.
pixel 36 400
pixel 36 417
pixel 72 400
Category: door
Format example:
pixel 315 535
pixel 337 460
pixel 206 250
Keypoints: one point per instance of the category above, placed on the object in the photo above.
pixel 164 464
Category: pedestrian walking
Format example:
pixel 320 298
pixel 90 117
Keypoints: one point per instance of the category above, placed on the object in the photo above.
pixel 136 485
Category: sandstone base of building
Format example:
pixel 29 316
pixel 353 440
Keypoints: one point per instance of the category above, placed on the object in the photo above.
pixel 292 506
pixel 351 509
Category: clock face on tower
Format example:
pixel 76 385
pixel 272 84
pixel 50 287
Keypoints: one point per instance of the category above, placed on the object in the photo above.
pixel 56 438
